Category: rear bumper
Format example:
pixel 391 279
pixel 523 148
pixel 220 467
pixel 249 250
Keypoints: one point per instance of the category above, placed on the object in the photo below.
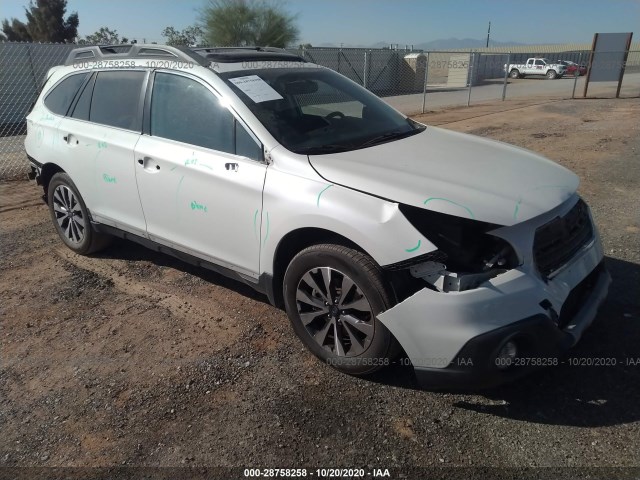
pixel 36 170
pixel 540 343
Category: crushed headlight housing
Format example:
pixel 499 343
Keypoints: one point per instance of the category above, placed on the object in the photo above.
pixel 467 254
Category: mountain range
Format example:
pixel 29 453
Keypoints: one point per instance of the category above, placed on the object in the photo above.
pixel 439 44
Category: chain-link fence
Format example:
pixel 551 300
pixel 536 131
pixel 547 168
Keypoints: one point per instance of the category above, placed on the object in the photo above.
pixel 411 81
pixel 23 67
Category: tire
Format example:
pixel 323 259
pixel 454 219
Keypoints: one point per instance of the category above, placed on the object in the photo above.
pixel 71 217
pixel 340 329
pixel 552 74
pixel 514 73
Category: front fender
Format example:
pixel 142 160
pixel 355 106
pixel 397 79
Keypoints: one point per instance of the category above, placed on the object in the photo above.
pixel 293 202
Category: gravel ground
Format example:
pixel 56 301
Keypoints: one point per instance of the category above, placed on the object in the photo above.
pixel 131 358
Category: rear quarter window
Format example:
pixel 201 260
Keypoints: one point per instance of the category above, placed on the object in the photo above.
pixel 61 96
pixel 116 99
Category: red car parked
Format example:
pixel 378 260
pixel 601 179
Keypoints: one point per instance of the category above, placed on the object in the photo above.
pixel 572 67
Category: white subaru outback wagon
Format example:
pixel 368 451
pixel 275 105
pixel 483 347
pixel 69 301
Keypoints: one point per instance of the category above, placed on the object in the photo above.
pixel 376 233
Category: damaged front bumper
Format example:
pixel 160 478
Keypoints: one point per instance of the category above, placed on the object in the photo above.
pixel 454 339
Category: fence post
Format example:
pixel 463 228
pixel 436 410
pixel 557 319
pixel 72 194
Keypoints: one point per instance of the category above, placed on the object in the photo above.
pixel 506 75
pixel 471 62
pixel 366 64
pixel 33 69
pixel 575 80
pixel 424 87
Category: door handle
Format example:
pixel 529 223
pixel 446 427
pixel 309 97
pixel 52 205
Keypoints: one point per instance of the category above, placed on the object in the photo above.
pixel 143 162
pixel 231 166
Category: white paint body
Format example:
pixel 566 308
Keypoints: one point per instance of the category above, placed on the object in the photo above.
pixel 355 194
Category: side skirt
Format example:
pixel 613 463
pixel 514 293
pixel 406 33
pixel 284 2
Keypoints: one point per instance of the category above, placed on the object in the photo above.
pixel 264 284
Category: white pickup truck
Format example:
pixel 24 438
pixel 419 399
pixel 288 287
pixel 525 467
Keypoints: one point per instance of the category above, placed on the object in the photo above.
pixel 536 66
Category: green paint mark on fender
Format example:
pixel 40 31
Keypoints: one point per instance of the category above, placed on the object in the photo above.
pixel 255 224
pixel 452 202
pixel 190 161
pixel 197 206
pixel 102 144
pixel 178 209
pixel 515 210
pixel 409 250
pixel 108 178
pixel 320 194
pixel 267 234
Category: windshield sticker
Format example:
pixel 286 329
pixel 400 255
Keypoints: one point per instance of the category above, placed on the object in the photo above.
pixel 255 88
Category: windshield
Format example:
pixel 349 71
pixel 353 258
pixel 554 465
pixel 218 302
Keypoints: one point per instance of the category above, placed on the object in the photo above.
pixel 316 111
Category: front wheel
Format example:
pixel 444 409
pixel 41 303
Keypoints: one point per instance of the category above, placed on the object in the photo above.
pixel 71 217
pixel 332 296
pixel 552 74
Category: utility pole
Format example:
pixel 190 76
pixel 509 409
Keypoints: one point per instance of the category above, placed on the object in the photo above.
pixel 488 33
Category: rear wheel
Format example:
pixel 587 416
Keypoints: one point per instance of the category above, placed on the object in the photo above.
pixel 71 217
pixel 514 73
pixel 332 296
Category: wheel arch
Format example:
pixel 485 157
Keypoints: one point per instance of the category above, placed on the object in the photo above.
pixel 293 243
pixel 46 174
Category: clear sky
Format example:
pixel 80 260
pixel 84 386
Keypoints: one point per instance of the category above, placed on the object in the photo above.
pixel 366 22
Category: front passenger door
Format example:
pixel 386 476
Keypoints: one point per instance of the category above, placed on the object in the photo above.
pixel 200 175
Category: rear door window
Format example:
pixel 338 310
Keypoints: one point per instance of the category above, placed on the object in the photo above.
pixel 60 98
pixel 116 99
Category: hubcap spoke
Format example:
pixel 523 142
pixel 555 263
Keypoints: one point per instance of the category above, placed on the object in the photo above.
pixel 309 317
pixel 57 199
pixel 59 208
pixel 357 346
pixel 307 299
pixel 364 327
pixel 309 280
pixel 359 303
pixel 67 231
pixel 321 335
pixel 79 221
pixel 347 285
pixel 326 277
pixel 337 341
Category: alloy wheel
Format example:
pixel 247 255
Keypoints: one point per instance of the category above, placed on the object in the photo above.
pixel 68 213
pixel 335 311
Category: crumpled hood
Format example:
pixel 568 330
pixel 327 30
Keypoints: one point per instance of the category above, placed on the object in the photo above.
pixel 454 173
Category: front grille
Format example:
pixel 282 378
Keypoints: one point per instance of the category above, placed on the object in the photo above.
pixel 578 296
pixel 559 240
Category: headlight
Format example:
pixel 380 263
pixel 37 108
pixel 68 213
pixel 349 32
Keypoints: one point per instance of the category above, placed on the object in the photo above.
pixel 467 244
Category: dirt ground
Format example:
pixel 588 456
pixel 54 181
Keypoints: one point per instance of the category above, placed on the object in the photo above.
pixel 132 358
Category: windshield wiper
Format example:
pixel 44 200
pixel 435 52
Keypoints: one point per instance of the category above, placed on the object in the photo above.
pixel 329 148
pixel 394 135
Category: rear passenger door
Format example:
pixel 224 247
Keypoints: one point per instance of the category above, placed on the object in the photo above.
pixel 98 138
pixel 200 174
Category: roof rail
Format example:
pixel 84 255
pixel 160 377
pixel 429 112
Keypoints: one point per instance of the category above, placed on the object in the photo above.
pixel 230 49
pixel 134 51
pixel 247 54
